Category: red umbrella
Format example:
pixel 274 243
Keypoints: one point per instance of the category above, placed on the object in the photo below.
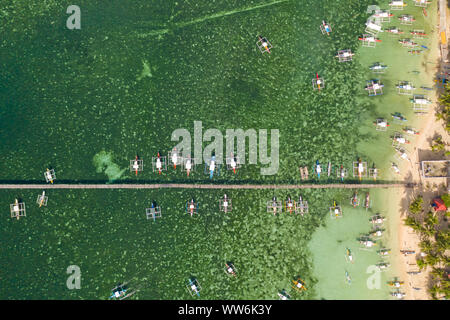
pixel 439 205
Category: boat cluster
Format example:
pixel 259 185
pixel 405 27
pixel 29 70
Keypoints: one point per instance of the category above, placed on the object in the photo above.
pixel 360 171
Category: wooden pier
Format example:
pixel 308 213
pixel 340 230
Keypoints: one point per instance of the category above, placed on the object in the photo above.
pixel 208 186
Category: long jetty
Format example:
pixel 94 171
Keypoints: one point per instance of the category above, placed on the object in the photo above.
pixel 207 186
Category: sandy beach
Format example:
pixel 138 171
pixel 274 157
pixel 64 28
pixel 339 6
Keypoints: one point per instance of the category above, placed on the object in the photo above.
pixel 416 284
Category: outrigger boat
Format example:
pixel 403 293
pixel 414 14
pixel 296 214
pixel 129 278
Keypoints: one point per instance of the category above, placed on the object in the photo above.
pixel 376 233
pixel 299 285
pixel 418 33
pixel 383 266
pixel 233 163
pixel 41 202
pixel 397 3
pixel 289 206
pixel 373 86
pixel 398 116
pixel 374 173
pixel 283 295
pixel 383 14
pixel 395 168
pixel 318 81
pixel 335 211
pixel 342 173
pixel 194 287
pixel 120 292
pixel 360 169
pixel 398 294
pixel 349 256
pixel 325 27
pixel 158 163
pixel 402 153
pixel 377 219
pixel 304 173
pixel 212 166
pixel 384 252
pixel 136 165
pixel 400 139
pixel 347 277
pixel 265 44
pixel 394 30
pixel 410 131
pixel 367 202
pixel 419 100
pixel 48 175
pixel 405 86
pixel 406 252
pixel 367 242
pixel 188 165
pixel 407 42
pixel 225 203
pixel 369 39
pixel 381 123
pixel 354 201
pixel 396 283
pixel 345 55
pixel 275 206
pixel 406 18
pixel 16 209
pixel 377 66
pixel 174 158
pixel 302 206
pixel 192 207
pixel 318 169
pixel 230 269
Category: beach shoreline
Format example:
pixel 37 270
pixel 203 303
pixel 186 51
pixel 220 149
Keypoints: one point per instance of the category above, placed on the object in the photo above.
pixel 416 285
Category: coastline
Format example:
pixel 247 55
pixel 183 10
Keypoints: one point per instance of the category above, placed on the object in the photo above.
pixel 421 70
pixel 399 200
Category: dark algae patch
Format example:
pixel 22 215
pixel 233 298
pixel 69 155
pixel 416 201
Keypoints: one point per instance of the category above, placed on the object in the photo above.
pixel 85 102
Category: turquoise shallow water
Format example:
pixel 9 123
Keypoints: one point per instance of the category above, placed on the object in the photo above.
pixel 85 102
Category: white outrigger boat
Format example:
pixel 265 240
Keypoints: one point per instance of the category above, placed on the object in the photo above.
pixel 348 255
pixel 283 295
pixel 377 219
pixel 394 30
pixel 193 287
pixel 398 294
pixel 384 252
pixel 366 243
pixel 395 168
pixel 383 266
pixel 121 291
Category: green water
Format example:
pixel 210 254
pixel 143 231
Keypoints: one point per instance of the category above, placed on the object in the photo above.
pixel 87 101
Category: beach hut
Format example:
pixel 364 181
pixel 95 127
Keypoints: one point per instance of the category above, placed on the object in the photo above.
pixel 438 205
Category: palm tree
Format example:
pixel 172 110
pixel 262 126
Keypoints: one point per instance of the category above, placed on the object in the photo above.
pixel 416 206
pixel 411 222
pixel 432 259
pixel 421 264
pixel 426 246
